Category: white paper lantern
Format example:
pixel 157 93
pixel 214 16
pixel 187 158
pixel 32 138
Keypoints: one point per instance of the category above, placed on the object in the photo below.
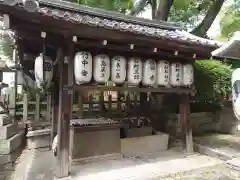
pixel 187 75
pixel 149 72
pixel 118 69
pixel 176 74
pixel 163 73
pixel 39 69
pixel 83 67
pixel 101 68
pixel 134 71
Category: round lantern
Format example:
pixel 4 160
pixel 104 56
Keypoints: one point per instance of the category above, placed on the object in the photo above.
pixel 176 74
pixel 149 72
pixel 101 68
pixel 187 74
pixel 118 69
pixel 39 69
pixel 83 67
pixel 134 73
pixel 163 73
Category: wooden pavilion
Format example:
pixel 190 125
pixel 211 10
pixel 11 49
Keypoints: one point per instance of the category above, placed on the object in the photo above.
pixel 55 26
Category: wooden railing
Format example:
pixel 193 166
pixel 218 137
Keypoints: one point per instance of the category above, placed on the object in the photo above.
pixel 34 111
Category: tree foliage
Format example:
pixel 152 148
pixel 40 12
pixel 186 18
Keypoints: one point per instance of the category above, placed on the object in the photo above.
pixel 115 5
pixel 212 80
pixel 195 15
pixel 230 21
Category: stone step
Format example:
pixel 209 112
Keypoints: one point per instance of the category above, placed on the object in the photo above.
pixel 8 131
pixel 4 120
pixel 11 144
pixel 9 159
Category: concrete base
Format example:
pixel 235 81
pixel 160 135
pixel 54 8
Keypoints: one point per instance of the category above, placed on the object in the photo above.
pixel 139 132
pixel 38 138
pixel 4 120
pixel 212 152
pixel 9 145
pixel 7 131
pixel 94 159
pixel 65 178
pixel 86 142
pixel 138 146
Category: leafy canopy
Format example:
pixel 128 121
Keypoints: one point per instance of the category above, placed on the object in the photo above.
pixel 212 80
pixel 230 21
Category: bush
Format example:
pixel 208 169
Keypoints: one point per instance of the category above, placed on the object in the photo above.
pixel 212 81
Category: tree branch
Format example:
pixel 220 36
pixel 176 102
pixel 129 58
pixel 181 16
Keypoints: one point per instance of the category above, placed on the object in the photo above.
pixel 163 9
pixel 206 23
pixel 139 7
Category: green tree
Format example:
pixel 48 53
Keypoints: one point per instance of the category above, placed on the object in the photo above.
pixel 217 80
pixel 197 15
pixel 230 21
pixel 114 5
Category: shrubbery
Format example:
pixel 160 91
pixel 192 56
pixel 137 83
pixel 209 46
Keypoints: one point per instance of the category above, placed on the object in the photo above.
pixel 212 82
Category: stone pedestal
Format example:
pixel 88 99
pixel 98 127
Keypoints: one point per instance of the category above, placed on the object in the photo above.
pixel 94 142
pixel 38 138
pixel 11 140
pixel 137 146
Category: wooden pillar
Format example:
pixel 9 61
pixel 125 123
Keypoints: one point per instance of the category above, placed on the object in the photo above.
pixel 185 123
pixel 65 112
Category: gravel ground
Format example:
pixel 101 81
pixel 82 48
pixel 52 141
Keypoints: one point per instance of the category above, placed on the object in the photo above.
pixel 218 172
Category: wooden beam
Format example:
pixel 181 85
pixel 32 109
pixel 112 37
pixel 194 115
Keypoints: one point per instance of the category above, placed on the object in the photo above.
pixel 65 114
pixel 147 51
pixel 61 172
pixel 132 89
pixel 185 123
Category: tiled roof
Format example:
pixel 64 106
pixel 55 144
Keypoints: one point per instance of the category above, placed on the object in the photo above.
pixel 78 18
pixel 78 14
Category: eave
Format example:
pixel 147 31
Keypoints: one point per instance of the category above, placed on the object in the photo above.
pixel 230 50
pixel 66 18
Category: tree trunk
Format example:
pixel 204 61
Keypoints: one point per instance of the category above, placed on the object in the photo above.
pixel 154 7
pixel 163 9
pixel 206 23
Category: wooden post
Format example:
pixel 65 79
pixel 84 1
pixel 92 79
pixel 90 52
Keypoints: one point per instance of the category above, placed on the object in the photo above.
pixel 80 103
pixel 65 114
pixel 102 103
pixel 48 112
pixel 37 108
pixel 25 107
pixel 110 102
pixel 185 123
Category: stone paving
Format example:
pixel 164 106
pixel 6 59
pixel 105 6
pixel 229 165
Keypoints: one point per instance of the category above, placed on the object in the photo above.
pixel 173 164
pixel 217 172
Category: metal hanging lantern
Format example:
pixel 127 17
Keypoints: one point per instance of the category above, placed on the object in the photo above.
pixel 39 69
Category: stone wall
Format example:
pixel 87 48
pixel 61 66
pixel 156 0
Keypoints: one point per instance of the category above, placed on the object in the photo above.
pixel 223 121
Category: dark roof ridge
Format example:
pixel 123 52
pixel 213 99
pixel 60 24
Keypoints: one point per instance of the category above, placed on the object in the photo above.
pixel 66 5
